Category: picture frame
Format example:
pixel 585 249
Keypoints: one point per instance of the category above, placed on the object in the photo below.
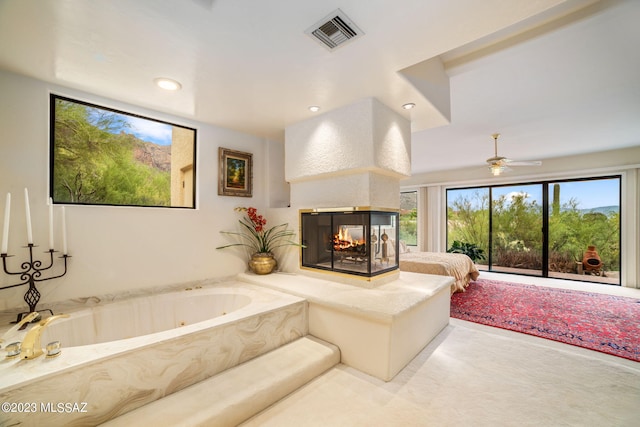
pixel 235 173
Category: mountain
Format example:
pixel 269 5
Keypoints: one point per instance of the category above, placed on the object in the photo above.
pixel 154 155
pixel 606 210
pixel 150 154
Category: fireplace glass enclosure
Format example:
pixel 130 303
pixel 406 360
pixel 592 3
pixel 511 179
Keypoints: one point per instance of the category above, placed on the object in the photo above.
pixel 362 243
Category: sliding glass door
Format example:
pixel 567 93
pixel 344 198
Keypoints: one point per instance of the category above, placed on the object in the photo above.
pixel 564 229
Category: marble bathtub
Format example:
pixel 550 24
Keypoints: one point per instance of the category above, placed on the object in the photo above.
pixel 122 355
pixel 146 315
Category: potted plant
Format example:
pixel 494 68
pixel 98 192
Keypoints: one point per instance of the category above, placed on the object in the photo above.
pixel 469 249
pixel 260 240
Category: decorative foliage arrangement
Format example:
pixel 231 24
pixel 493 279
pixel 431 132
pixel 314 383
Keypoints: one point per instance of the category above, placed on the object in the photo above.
pixel 256 236
pixel 469 249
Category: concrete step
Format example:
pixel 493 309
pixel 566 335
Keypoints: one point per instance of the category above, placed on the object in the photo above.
pixel 237 394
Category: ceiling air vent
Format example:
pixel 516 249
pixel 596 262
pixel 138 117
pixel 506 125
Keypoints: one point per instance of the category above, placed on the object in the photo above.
pixel 334 30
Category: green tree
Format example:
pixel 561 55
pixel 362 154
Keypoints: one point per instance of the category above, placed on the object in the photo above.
pixel 409 226
pixel 572 231
pixel 92 164
pixel 517 228
pixel 517 222
pixel 468 220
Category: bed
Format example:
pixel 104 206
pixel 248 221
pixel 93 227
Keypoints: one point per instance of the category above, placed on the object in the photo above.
pixel 459 266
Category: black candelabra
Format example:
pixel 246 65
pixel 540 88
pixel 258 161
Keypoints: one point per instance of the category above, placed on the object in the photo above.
pixel 31 273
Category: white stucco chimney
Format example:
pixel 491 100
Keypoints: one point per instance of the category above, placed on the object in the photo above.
pixel 352 156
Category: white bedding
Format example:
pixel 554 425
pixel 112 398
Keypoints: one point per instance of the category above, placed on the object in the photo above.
pixel 459 266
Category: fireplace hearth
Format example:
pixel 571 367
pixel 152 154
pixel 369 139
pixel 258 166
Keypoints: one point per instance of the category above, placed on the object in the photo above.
pixel 357 241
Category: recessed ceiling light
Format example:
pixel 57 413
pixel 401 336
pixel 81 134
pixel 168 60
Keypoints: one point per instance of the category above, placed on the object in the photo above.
pixel 408 106
pixel 314 108
pixel 167 84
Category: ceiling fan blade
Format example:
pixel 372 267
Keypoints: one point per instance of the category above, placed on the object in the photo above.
pixel 523 163
pixel 497 160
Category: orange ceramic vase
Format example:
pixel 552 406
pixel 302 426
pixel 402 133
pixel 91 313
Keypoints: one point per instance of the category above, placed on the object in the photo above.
pixel 591 260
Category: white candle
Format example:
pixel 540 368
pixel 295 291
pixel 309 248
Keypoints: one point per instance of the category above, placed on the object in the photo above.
pixel 5 228
pixel 50 223
pixel 64 232
pixel 28 214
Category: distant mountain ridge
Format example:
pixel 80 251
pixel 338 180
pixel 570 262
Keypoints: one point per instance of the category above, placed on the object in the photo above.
pixel 150 154
pixel 602 209
pixel 154 155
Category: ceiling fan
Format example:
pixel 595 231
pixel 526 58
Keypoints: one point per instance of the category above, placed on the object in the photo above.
pixel 499 164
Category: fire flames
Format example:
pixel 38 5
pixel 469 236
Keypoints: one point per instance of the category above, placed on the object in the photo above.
pixel 344 242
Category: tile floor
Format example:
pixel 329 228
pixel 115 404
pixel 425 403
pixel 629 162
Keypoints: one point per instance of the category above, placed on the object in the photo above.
pixel 474 375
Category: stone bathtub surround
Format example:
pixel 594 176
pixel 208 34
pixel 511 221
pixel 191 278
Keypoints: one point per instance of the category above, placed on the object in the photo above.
pixel 118 376
pixel 378 331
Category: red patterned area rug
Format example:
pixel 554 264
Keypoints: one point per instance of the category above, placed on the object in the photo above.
pixel 605 323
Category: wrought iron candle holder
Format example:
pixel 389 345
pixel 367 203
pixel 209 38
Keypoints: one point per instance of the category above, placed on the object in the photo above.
pixel 30 274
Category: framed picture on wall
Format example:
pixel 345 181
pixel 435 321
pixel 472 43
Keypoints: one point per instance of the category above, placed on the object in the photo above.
pixel 235 173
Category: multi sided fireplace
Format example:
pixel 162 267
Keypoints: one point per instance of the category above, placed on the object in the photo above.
pixel 357 242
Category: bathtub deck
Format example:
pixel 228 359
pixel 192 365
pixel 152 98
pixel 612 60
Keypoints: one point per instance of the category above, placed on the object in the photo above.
pixel 237 394
pixel 378 330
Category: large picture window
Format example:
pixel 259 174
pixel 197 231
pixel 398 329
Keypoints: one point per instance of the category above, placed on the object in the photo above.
pixel 102 156
pixel 563 229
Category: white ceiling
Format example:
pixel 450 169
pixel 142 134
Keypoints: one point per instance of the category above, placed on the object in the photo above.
pixel 553 77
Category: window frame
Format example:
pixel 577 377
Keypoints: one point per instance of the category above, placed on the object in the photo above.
pixel 546 204
pixel 53 100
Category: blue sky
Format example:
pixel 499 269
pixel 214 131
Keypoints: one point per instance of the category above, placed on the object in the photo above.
pixel 149 130
pixel 589 194
pixel 144 129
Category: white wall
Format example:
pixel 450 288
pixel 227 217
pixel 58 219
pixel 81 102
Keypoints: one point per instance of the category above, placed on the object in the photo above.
pixel 115 249
pixel 277 188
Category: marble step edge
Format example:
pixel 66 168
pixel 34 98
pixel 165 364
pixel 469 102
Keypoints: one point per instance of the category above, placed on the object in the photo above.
pixel 237 394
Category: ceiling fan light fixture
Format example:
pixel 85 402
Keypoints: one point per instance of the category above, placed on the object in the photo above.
pixel 496 169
